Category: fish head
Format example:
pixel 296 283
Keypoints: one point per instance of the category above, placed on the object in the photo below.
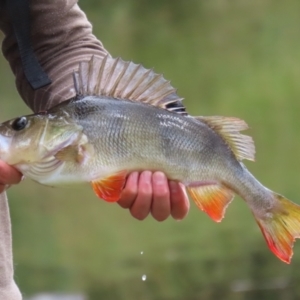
pixel 33 138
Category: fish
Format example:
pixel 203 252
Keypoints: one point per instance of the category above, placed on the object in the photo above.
pixel 127 118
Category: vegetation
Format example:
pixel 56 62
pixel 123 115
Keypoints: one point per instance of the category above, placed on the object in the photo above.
pixel 233 58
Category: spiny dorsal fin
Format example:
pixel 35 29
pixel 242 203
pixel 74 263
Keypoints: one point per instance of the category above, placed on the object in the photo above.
pixel 116 78
pixel 228 128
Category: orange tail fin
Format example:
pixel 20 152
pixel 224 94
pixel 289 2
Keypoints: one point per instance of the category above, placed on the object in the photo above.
pixel 281 227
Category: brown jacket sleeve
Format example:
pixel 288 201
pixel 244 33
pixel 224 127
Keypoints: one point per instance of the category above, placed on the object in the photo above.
pixel 61 37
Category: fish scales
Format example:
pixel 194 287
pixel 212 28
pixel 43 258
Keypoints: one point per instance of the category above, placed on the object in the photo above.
pixel 149 135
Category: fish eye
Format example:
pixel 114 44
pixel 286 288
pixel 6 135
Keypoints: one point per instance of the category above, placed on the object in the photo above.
pixel 19 123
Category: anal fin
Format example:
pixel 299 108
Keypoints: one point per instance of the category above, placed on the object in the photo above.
pixel 212 199
pixel 110 188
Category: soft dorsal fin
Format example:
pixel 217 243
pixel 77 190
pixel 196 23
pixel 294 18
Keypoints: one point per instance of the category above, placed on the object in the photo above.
pixel 116 78
pixel 228 128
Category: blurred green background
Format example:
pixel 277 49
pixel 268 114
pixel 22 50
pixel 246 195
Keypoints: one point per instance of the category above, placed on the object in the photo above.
pixel 234 58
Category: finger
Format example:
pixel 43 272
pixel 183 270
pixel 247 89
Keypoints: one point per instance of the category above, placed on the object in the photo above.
pixel 130 190
pixel 142 204
pixel 180 204
pixel 161 206
pixel 8 174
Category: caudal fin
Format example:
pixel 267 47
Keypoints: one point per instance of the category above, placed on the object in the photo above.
pixel 281 227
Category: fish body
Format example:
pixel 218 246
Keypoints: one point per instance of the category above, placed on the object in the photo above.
pixel 134 136
pixel 126 118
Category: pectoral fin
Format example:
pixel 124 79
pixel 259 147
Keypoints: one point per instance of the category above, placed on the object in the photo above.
pixel 212 199
pixel 110 188
pixel 76 153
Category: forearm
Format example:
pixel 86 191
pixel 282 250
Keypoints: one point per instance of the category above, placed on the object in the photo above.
pixel 61 37
pixel 8 288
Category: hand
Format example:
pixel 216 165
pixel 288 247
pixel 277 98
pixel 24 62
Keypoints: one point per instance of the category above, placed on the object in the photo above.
pixel 8 176
pixel 147 192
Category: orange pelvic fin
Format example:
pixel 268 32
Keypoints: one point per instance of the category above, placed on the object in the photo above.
pixel 212 199
pixel 280 227
pixel 110 188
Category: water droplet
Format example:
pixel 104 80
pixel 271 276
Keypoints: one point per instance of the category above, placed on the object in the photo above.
pixel 144 277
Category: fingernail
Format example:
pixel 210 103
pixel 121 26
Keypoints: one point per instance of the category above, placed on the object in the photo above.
pixel 159 177
pixel 147 174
